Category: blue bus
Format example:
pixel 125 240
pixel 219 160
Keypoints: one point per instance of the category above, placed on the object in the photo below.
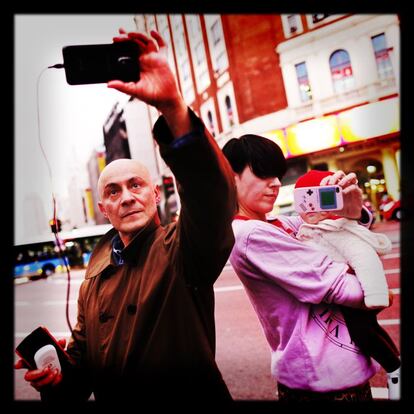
pixel 37 260
pixel 40 259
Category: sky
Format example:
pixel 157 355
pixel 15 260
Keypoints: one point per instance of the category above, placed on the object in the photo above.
pixel 70 117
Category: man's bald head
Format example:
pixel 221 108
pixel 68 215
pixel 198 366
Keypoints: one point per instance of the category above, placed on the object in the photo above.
pixel 119 167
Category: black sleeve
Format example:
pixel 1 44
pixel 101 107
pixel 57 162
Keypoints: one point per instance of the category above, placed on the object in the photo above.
pixel 207 192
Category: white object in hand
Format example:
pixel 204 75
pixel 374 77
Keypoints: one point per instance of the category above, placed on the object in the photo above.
pixel 47 356
pixel 393 382
pixel 319 198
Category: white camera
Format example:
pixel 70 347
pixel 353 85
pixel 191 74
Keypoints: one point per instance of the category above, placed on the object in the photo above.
pixel 320 198
pixel 47 356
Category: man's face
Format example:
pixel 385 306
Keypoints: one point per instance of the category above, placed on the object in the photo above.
pixel 128 198
pixel 256 196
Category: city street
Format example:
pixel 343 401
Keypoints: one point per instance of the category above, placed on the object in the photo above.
pixel 242 352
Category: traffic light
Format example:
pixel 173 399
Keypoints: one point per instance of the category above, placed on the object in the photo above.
pixel 168 185
pixel 55 225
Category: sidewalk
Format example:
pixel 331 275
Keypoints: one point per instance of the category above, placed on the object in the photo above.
pixel 390 228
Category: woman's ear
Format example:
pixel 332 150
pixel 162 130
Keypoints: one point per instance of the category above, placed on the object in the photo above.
pixel 237 179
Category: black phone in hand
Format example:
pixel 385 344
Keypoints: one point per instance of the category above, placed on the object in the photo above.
pixel 38 338
pixel 86 64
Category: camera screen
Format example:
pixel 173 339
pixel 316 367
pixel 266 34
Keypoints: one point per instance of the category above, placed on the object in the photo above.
pixel 327 198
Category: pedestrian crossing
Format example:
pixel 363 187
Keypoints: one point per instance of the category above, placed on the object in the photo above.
pixel 230 287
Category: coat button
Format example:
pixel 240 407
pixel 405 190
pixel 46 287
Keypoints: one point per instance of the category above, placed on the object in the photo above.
pixel 132 309
pixel 103 317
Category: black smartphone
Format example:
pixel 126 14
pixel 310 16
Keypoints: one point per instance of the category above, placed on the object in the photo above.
pixel 36 340
pixel 85 64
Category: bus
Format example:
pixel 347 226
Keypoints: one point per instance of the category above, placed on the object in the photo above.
pixel 40 258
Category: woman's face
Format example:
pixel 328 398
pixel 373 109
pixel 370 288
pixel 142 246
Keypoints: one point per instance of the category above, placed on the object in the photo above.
pixel 256 196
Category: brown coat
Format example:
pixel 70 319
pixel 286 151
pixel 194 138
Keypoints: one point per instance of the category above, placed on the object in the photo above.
pixel 146 329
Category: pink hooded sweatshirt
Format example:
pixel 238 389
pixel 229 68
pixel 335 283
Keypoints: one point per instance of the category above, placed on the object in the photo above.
pixel 295 289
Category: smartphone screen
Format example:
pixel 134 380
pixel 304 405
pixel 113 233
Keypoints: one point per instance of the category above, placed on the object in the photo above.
pixel 86 64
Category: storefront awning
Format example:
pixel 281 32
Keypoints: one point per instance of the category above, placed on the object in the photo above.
pixel 360 123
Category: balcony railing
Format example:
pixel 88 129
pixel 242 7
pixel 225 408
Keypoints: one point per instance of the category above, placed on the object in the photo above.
pixel 371 92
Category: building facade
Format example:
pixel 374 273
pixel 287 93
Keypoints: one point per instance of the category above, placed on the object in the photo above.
pixel 324 87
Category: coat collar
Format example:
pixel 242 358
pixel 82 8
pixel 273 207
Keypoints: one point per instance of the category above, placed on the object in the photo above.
pixel 102 259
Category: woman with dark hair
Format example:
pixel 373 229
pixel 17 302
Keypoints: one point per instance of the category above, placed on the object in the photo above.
pixel 263 156
pixel 295 288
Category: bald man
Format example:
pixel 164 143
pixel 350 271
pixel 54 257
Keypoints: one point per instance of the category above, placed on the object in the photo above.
pixel 145 329
pixel 128 197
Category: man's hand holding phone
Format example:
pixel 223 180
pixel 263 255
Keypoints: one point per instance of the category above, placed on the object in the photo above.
pixel 157 85
pixel 135 64
pixel 41 377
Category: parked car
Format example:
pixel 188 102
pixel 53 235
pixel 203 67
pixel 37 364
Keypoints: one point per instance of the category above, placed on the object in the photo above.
pixel 390 209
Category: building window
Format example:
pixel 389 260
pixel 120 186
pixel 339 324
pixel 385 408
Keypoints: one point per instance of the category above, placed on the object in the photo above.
pixel 316 18
pixel 150 22
pixel 229 110
pixel 222 61
pixel 193 25
pixel 183 59
pixel 227 106
pixel 198 52
pixel 211 123
pixel 292 24
pixel 303 82
pixel 216 42
pixel 163 29
pixel 341 71
pixel 139 20
pixel 216 32
pixel 209 116
pixel 382 57
pixel 186 71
